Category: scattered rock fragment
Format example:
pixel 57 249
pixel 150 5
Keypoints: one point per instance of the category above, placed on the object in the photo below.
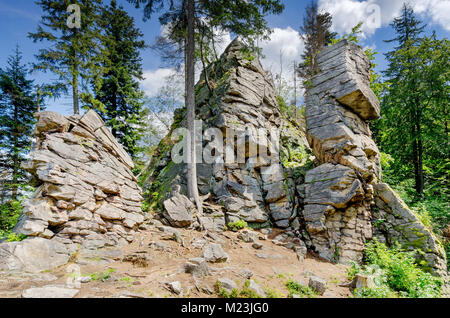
pixel 137 259
pixel 317 284
pixel 197 267
pixel 227 284
pixel 256 288
pixel 257 246
pixel 246 273
pixel 214 253
pixel 50 292
pixel 175 287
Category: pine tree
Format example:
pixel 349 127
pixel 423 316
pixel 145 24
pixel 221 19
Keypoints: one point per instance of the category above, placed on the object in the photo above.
pixel 17 106
pixel 402 106
pixel 240 17
pixel 316 34
pixel 121 99
pixel 73 52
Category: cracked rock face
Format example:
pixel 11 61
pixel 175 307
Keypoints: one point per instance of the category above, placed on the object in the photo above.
pixel 345 201
pixel 87 193
pixel 237 96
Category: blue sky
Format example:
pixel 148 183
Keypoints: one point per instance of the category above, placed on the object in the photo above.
pixel 19 17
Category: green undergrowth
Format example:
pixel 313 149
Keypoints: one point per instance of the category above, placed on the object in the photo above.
pixel 102 276
pixel 433 207
pixel 296 288
pixel 395 273
pixel 9 214
pixel 237 225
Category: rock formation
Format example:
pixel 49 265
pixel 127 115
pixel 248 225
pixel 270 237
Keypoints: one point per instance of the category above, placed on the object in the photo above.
pixel 346 203
pixel 234 95
pixel 334 205
pixel 86 193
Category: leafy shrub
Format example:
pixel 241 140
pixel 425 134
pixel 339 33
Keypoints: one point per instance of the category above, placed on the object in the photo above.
pixel 299 289
pixel 353 270
pixel 273 293
pixel 102 276
pixel 9 213
pixel 246 292
pixel 13 237
pixel 396 273
pixel 237 225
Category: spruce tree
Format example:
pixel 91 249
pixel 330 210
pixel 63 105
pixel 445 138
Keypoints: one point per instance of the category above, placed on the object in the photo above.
pixel 121 99
pixel 316 34
pixel 17 106
pixel 402 106
pixel 73 52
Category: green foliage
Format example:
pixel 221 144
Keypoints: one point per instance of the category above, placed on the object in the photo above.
pixel 353 270
pixel 237 225
pixel 273 293
pixel 222 292
pixel 299 289
pixel 316 34
pixel 382 291
pixel 414 115
pixel 289 111
pixel 17 106
pixel 13 237
pixel 246 292
pixel 9 213
pixel 117 91
pixel 73 54
pixel 395 273
pixel 102 276
pixel 353 36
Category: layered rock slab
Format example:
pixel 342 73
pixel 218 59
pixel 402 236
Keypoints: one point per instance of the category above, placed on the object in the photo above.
pixel 346 202
pixel 86 192
pixel 237 97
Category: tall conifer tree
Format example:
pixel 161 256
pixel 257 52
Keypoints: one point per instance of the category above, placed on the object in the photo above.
pixel 17 106
pixel 74 51
pixel 121 99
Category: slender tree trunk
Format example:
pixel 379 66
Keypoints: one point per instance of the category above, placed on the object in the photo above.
pixel 192 187
pixel 420 177
pixel 39 94
pixel 15 153
pixel 76 107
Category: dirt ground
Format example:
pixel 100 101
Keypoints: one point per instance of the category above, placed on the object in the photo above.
pixel 272 266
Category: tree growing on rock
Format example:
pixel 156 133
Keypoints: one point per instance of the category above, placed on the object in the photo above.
pixel 74 50
pixel 316 33
pixel 240 17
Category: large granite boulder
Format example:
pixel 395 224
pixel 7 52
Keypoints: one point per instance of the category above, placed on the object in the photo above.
pixel 86 193
pixel 34 255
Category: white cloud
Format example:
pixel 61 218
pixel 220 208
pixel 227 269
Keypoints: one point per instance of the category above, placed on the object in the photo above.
pixel 378 13
pixel 437 10
pixel 154 80
pixel 284 43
